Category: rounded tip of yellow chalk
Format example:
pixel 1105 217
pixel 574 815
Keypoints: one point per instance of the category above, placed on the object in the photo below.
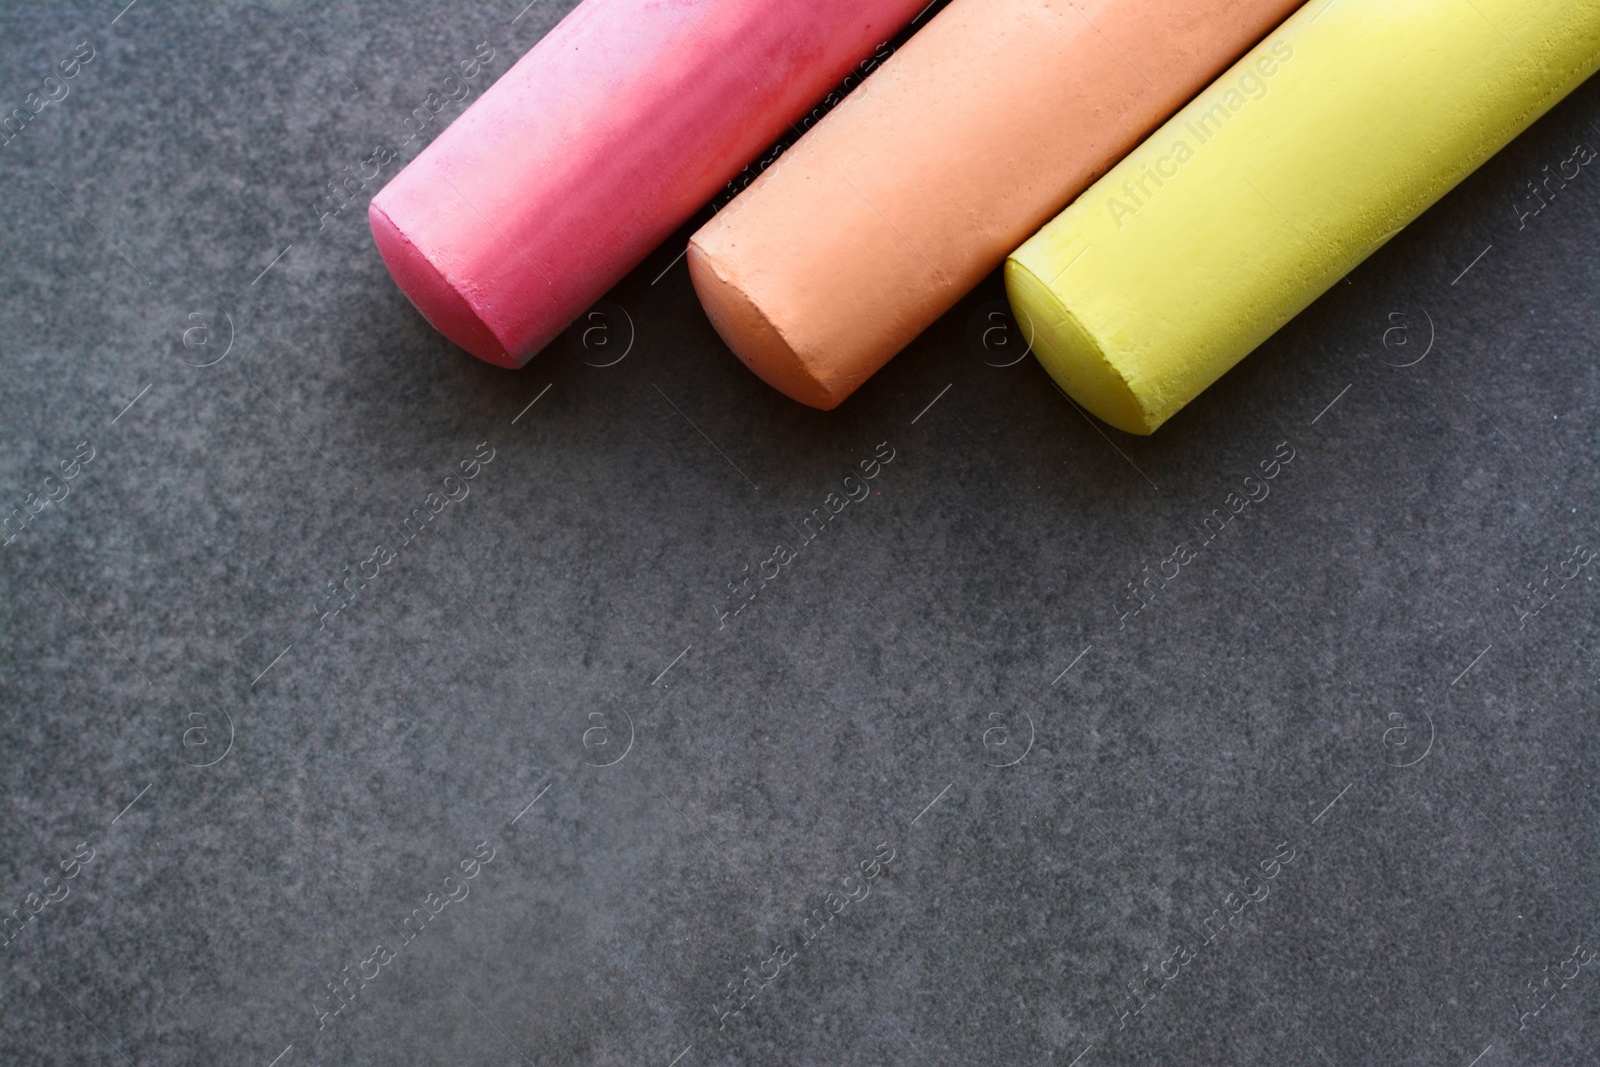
pixel 746 329
pixel 1071 356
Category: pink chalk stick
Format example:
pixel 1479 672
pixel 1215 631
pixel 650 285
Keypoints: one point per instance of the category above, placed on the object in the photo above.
pixel 607 136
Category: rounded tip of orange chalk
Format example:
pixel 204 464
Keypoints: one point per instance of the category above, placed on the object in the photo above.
pixel 445 307
pixel 756 340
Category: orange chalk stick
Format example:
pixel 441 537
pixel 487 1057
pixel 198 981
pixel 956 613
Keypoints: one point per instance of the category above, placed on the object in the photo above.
pixel 952 153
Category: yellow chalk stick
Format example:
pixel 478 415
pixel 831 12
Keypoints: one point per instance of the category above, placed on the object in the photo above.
pixel 1341 127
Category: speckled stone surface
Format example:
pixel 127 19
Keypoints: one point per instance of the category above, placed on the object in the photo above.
pixel 551 785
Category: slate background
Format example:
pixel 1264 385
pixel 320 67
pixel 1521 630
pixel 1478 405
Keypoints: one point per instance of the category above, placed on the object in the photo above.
pixel 165 614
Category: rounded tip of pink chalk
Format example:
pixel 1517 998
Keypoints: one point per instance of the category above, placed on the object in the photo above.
pixel 445 307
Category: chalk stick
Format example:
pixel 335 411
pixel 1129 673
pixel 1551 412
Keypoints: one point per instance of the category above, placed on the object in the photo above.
pixel 604 138
pixel 1275 182
pixel 956 149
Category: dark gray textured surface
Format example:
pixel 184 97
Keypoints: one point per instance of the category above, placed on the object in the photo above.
pixel 165 614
